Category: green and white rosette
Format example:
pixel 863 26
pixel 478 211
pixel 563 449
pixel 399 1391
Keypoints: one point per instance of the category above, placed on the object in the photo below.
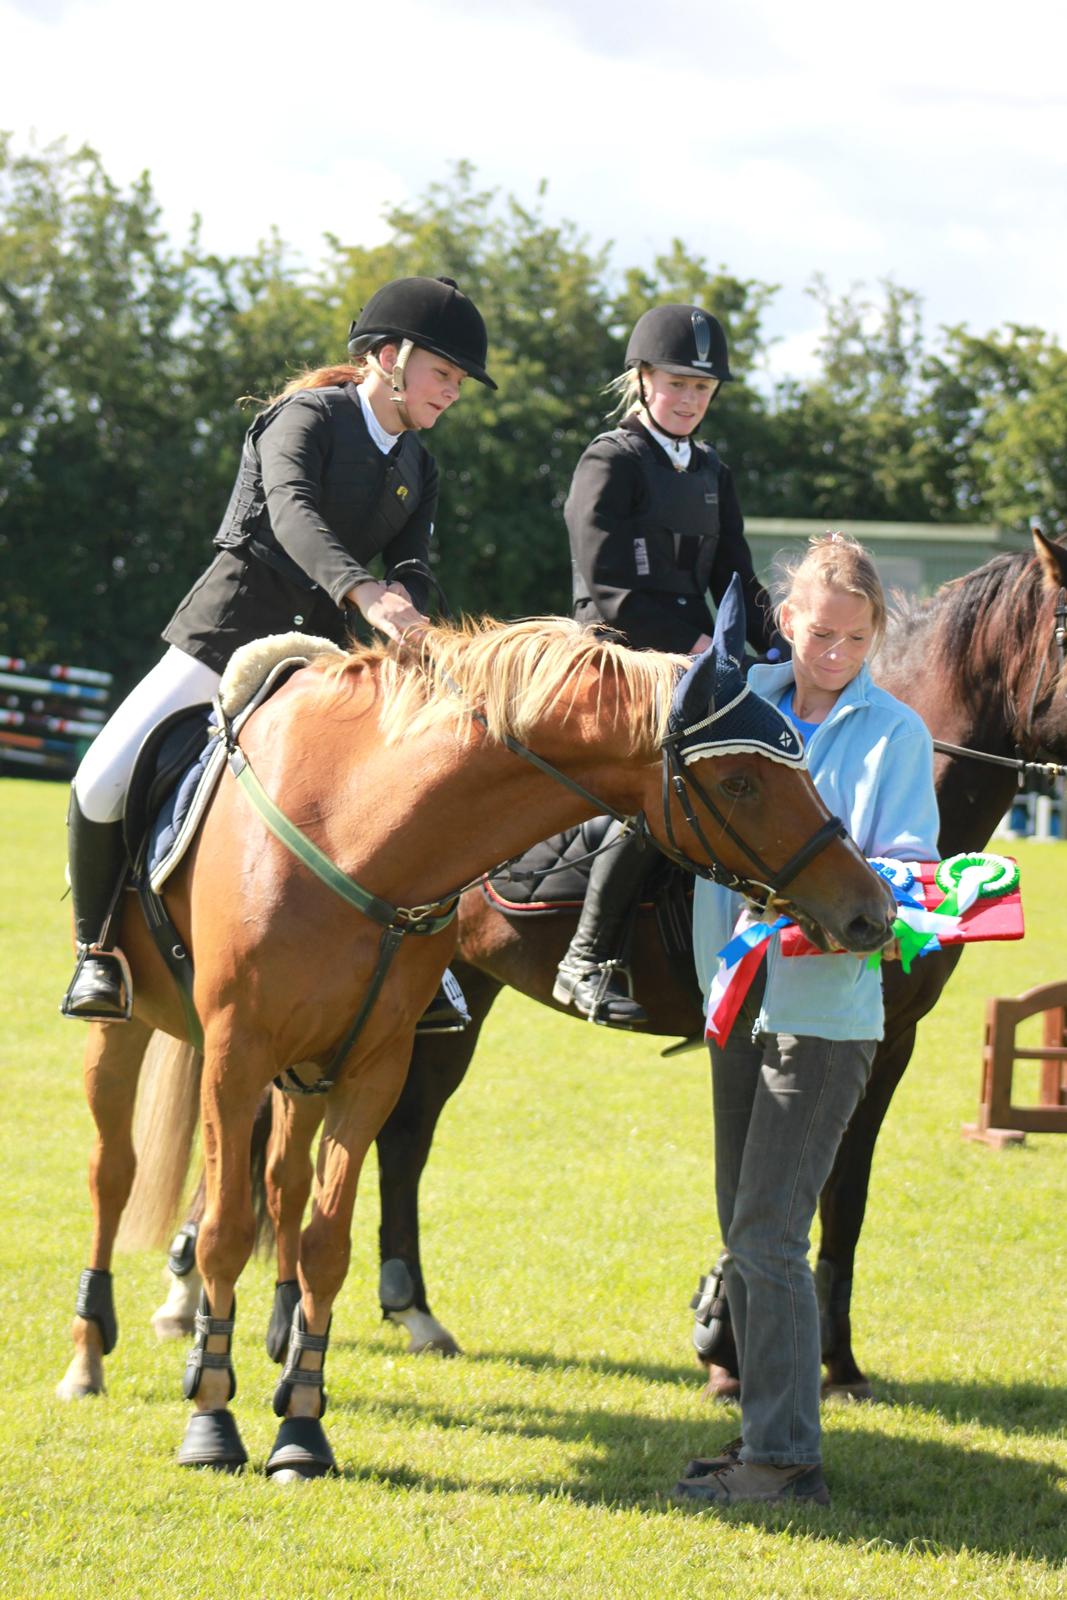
pixel 962 879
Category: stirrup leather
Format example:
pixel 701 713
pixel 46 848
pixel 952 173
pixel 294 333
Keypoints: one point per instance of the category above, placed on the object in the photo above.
pixel 205 1327
pixel 292 1373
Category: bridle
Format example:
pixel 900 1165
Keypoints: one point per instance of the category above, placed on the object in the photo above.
pixel 399 922
pixel 768 883
pixel 677 779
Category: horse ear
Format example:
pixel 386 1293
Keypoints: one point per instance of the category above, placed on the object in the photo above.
pixel 729 636
pixel 1053 559
pixel 694 694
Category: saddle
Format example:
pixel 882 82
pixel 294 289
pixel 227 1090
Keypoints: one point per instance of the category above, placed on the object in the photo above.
pixel 174 748
pixel 551 879
pixel 177 769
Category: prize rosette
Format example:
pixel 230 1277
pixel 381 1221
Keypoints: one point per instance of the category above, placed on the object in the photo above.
pixel 963 899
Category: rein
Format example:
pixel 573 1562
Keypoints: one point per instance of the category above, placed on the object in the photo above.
pixel 1048 769
pixel 396 922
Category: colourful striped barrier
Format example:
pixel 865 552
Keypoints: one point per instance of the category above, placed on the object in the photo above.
pixel 49 714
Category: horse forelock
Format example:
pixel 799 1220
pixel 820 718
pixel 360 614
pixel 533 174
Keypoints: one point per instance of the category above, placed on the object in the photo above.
pixel 516 675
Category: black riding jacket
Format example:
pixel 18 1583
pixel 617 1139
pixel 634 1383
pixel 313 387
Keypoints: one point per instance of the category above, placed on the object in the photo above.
pixel 648 542
pixel 314 503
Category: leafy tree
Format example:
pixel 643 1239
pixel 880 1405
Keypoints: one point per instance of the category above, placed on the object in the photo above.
pixel 1003 400
pixel 854 443
pixel 118 428
pixel 124 357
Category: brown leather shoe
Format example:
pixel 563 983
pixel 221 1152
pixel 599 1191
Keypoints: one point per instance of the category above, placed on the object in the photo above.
pixel 748 1481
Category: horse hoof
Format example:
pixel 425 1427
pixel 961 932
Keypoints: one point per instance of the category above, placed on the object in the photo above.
pixel 301 1451
pixel 212 1440
pixel 843 1393
pixel 722 1387
pixel 425 1334
pixel 77 1389
pixel 83 1379
pixel 286 1300
pixel 176 1317
pixel 169 1328
pixel 442 1345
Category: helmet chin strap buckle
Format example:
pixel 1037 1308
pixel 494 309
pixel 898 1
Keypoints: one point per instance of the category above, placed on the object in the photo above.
pixel 398 392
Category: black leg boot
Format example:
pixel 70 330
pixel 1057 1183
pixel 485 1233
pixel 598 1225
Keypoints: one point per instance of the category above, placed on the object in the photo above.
pixel 100 989
pixel 592 976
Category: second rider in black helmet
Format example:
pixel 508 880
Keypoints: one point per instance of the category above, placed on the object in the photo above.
pixel 332 477
pixel 655 527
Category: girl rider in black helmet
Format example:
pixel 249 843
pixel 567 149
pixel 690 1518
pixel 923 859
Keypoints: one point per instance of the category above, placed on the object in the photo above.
pixel 654 526
pixel 332 475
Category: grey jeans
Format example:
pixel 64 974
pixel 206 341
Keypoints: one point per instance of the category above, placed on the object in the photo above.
pixel 782 1104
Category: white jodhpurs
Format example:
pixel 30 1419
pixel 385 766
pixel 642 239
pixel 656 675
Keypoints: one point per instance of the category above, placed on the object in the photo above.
pixel 178 681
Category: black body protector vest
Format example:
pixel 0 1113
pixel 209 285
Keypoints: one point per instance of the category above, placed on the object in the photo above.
pixel 366 497
pixel 672 543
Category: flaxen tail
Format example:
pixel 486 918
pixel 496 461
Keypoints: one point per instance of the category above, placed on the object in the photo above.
pixel 165 1121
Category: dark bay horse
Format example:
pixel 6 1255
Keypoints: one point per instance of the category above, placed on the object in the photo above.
pixel 406 774
pixel 983 663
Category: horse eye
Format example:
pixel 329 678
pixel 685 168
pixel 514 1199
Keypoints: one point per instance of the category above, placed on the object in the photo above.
pixel 736 788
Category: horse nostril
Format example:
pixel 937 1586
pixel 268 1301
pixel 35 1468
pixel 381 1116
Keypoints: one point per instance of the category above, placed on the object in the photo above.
pixel 865 933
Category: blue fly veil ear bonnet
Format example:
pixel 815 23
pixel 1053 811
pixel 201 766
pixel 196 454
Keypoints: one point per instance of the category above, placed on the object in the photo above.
pixel 715 713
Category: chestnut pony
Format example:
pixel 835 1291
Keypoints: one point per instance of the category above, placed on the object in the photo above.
pixel 406 773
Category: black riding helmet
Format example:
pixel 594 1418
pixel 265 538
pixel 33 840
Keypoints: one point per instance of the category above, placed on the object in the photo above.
pixel 434 314
pixel 680 339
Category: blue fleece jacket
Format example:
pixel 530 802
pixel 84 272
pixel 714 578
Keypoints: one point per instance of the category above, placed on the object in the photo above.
pixel 872 762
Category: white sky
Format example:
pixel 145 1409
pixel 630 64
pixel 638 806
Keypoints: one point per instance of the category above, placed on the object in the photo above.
pixel 924 141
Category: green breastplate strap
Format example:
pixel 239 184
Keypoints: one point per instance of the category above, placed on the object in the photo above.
pixel 395 921
pixel 409 919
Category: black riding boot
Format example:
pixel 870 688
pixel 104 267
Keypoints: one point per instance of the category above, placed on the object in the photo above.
pixel 592 976
pixel 100 988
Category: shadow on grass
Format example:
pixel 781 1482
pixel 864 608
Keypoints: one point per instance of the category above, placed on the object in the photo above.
pixel 903 1493
pixel 688 1376
pixel 1013 1408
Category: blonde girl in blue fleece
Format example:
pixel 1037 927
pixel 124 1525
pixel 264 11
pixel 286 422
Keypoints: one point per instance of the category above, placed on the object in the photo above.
pixel 796 1063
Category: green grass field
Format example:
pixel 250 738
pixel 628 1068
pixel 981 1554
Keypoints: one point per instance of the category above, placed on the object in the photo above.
pixel 567 1210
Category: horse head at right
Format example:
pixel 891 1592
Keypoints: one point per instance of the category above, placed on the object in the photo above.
pixel 1046 727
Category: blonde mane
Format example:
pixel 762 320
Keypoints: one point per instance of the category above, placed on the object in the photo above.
pixel 515 674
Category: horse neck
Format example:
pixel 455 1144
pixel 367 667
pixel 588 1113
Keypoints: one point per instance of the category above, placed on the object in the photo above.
pixel 971 797
pixel 974 713
pixel 426 815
